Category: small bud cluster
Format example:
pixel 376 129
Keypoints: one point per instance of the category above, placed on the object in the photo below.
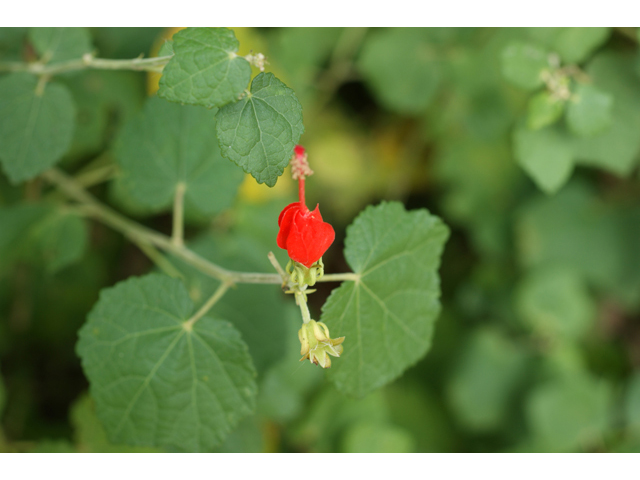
pixel 258 60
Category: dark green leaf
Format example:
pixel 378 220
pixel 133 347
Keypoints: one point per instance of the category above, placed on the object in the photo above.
pixel 168 144
pixel 36 127
pixel 205 69
pixel 156 382
pixel 259 132
pixel 388 314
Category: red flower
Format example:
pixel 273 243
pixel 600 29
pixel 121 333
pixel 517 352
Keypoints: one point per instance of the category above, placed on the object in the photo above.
pixel 303 234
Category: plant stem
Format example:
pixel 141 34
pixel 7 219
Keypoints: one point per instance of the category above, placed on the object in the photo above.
pixel 217 295
pixel 141 234
pixel 160 260
pixel 155 64
pixel 177 236
pixel 304 309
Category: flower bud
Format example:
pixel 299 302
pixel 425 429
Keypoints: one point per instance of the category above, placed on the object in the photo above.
pixel 317 345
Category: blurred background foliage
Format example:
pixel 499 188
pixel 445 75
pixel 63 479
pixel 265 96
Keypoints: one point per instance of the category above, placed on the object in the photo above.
pixel 525 141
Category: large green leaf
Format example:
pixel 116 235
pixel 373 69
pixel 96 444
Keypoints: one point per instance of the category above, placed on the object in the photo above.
pixel 388 314
pixel 205 69
pixel 167 144
pixel 575 44
pixel 55 44
pixel 157 382
pixel 36 127
pixel 259 132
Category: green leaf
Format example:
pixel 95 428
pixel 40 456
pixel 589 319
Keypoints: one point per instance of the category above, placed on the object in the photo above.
pixel 53 446
pixel 16 221
pixel 3 396
pixel 484 382
pixel 167 144
pixel 543 110
pixel 555 302
pixel 616 149
pixel 55 44
pixel 12 42
pixel 205 69
pixel 35 127
pixel 89 434
pixel 545 155
pixel 367 437
pixel 523 64
pixel 590 111
pixel 388 314
pixel 156 382
pixel 632 405
pixel 573 229
pixel 402 68
pixel 260 321
pixel 259 132
pixel 569 412
pixel 58 240
pixel 166 49
pixel 576 44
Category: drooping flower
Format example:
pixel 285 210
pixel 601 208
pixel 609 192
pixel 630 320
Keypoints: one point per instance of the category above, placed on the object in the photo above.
pixel 303 233
pixel 317 345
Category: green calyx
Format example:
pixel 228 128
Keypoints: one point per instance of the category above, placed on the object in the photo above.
pixel 301 275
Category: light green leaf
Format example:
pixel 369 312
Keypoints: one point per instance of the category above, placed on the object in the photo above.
pixel 35 127
pixel 632 405
pixel 615 149
pixel 523 64
pixel 157 383
pixel 166 49
pixel 569 412
pixel 555 302
pixel 543 110
pixel 205 69
pixel 545 155
pixel 589 111
pixel 367 437
pixel 259 132
pixel 388 314
pixel 167 144
pixel 485 380
pixel 575 44
pixel 402 68
pixel 55 44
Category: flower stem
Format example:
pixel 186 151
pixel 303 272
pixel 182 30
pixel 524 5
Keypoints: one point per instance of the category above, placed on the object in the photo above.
pixel 301 192
pixel 304 309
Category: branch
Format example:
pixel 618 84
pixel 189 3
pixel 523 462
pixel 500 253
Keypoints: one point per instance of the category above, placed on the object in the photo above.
pixel 177 235
pixel 155 64
pixel 141 234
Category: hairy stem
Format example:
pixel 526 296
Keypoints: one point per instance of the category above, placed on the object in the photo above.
pixel 141 234
pixel 177 236
pixel 155 64
pixel 304 309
